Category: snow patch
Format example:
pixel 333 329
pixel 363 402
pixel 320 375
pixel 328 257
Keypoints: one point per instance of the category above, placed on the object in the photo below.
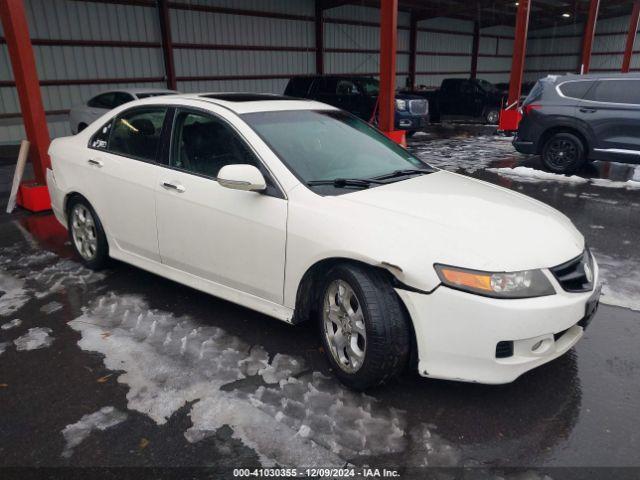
pixel 35 338
pixel 51 307
pixel 76 433
pixel 14 295
pixel 288 415
pixel 3 347
pixel 620 281
pixel 606 183
pixel 531 175
pixel 16 322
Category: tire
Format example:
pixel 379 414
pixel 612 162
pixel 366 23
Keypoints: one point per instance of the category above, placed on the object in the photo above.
pixel 492 117
pixel 380 353
pixel 86 234
pixel 81 127
pixel 563 153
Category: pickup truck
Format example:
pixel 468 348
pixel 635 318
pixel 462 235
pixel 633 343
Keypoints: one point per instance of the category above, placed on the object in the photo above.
pixel 464 99
pixel 359 96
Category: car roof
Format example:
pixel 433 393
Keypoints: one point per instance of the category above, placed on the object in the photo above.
pixel 239 102
pixel 136 91
pixel 594 76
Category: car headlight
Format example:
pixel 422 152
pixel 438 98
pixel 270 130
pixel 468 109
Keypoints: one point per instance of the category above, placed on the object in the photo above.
pixel 401 104
pixel 524 284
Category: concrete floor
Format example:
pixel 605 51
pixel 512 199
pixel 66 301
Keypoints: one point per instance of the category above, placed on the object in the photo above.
pixel 123 368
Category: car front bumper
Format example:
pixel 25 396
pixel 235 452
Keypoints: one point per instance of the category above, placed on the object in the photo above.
pixel 57 198
pixel 524 147
pixel 457 332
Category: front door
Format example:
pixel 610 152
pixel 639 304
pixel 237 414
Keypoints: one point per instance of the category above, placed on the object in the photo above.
pixel 230 237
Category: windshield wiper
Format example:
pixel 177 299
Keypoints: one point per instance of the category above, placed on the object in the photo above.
pixel 402 173
pixel 346 182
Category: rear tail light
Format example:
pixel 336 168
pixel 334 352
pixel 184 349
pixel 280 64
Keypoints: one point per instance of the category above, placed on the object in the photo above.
pixel 527 109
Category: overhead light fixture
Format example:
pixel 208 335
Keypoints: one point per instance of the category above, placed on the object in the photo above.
pixel 517 3
pixel 566 15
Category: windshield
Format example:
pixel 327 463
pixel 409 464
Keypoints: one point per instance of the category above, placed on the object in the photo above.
pixel 330 144
pixel 370 86
pixel 487 86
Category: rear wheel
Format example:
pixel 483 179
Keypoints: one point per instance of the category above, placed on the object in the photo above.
pixel 87 235
pixel 364 328
pixel 563 153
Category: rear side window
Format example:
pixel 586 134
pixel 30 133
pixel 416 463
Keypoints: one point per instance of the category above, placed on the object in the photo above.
pixel 576 90
pixel 120 98
pixel 616 91
pixel 105 100
pixel 136 133
pixel 299 87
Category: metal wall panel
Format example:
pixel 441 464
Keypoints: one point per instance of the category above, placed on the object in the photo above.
pixel 294 7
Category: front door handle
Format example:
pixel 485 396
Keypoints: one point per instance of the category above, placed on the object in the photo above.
pixel 588 110
pixel 95 163
pixel 173 186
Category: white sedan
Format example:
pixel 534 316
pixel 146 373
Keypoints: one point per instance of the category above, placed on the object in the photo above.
pixel 82 115
pixel 301 211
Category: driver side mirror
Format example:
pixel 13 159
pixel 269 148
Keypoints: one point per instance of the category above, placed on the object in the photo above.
pixel 242 177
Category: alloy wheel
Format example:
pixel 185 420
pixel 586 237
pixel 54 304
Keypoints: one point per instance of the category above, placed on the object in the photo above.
pixel 344 326
pixel 561 153
pixel 83 231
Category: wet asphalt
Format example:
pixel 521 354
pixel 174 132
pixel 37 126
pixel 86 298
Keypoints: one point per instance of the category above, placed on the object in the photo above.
pixel 581 410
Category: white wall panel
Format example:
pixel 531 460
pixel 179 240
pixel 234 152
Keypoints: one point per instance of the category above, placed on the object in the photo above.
pixel 293 7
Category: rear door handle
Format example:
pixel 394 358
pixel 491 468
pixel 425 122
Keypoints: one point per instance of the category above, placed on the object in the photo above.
pixel 173 186
pixel 588 110
pixel 95 163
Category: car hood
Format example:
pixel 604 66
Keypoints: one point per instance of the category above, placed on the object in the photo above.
pixel 469 223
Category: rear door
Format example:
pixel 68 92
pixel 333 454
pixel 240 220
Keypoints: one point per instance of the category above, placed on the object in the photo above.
pixel 612 110
pixel 122 177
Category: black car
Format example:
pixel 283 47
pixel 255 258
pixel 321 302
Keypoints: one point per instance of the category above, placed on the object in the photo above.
pixel 359 96
pixel 465 99
pixel 572 119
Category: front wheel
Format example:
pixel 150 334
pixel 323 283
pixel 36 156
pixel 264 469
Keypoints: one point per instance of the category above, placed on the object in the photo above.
pixel 563 153
pixel 365 330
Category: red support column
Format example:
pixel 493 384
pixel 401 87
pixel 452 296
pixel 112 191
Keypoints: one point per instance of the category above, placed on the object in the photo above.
pixel 388 44
pixel 475 49
pixel 16 32
pixel 167 44
pixel 519 51
pixel 631 37
pixel 589 32
pixel 413 45
pixel 319 20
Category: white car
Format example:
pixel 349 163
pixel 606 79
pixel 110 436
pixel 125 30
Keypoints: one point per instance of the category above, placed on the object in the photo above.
pixel 301 211
pixel 80 116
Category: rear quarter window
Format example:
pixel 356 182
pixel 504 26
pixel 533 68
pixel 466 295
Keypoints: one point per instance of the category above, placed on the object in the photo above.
pixel 576 90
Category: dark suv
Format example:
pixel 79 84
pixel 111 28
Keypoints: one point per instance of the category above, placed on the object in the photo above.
pixel 571 119
pixel 359 95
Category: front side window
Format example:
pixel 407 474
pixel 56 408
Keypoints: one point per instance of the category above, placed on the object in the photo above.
pixel 370 86
pixel 347 87
pixel 328 145
pixel 203 144
pixel 136 133
pixel 616 91
pixel 120 98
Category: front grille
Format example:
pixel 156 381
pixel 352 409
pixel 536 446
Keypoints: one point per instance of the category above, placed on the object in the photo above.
pixel 576 275
pixel 504 349
pixel 418 107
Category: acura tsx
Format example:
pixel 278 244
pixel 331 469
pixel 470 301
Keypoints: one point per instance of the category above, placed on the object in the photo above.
pixel 302 211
